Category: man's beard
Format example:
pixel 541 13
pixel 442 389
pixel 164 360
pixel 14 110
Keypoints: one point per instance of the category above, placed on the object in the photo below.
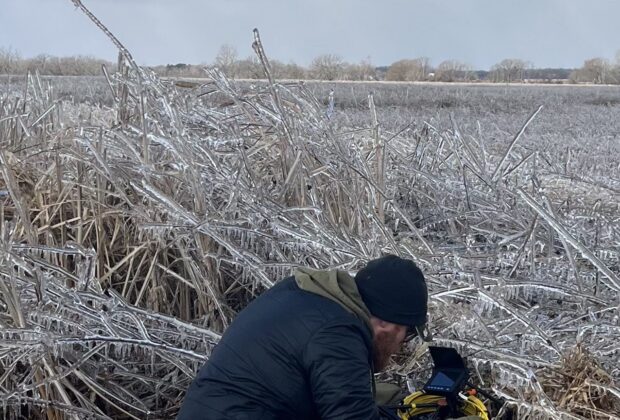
pixel 381 354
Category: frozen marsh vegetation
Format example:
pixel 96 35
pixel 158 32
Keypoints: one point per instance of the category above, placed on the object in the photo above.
pixel 133 231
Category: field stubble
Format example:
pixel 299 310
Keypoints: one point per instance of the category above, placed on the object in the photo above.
pixel 136 221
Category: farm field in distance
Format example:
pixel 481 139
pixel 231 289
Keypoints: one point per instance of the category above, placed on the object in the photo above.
pixel 138 217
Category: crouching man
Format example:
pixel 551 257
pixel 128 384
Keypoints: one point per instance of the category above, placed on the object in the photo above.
pixel 308 347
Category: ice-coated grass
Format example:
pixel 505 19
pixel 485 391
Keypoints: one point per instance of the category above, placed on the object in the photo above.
pixel 132 233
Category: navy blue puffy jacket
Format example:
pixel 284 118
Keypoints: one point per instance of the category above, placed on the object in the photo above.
pixel 291 354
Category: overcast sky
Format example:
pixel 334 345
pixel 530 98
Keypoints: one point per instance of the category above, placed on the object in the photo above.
pixel 549 33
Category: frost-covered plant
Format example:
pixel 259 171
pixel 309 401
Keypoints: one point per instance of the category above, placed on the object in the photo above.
pixel 131 236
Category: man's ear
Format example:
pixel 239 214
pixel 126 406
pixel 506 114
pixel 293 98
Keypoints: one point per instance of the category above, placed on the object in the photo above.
pixel 379 324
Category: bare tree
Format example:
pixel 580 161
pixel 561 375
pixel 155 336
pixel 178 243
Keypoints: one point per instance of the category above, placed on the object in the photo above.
pixel 294 71
pixel 226 60
pixel 398 70
pixel 615 71
pixel 595 70
pixel 409 70
pixel 40 62
pixel 453 70
pixel 509 70
pixel 9 61
pixel 278 69
pixel 250 68
pixel 364 70
pixel 327 67
pixel 288 70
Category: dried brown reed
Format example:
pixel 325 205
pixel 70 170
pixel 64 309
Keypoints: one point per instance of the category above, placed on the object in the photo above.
pixel 580 385
pixel 130 239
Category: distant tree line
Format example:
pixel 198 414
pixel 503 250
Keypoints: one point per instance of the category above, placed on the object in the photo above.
pixel 599 71
pixel 12 63
pixel 333 67
pixel 323 67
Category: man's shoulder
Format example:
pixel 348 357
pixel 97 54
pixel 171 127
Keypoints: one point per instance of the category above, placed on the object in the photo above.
pixel 286 294
pixel 286 308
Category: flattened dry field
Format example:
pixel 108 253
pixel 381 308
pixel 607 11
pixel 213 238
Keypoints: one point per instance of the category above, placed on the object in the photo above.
pixel 137 217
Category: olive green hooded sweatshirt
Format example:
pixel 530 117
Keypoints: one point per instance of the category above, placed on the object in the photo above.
pixel 340 287
pixel 335 285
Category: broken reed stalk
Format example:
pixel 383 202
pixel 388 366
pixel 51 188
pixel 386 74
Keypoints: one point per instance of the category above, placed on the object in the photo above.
pixel 516 138
pixel 379 149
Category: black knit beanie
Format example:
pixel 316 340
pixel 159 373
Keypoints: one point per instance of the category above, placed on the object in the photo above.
pixel 394 290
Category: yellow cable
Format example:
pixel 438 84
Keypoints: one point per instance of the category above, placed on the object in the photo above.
pixel 471 407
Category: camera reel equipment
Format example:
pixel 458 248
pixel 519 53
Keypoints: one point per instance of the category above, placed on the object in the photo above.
pixel 444 393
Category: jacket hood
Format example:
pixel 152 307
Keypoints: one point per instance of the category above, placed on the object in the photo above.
pixel 336 285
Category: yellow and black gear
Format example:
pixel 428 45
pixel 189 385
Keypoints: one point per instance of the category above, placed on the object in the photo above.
pixel 421 403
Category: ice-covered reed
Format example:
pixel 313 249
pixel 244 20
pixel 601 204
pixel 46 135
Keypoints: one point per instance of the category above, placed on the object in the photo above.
pixel 131 236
